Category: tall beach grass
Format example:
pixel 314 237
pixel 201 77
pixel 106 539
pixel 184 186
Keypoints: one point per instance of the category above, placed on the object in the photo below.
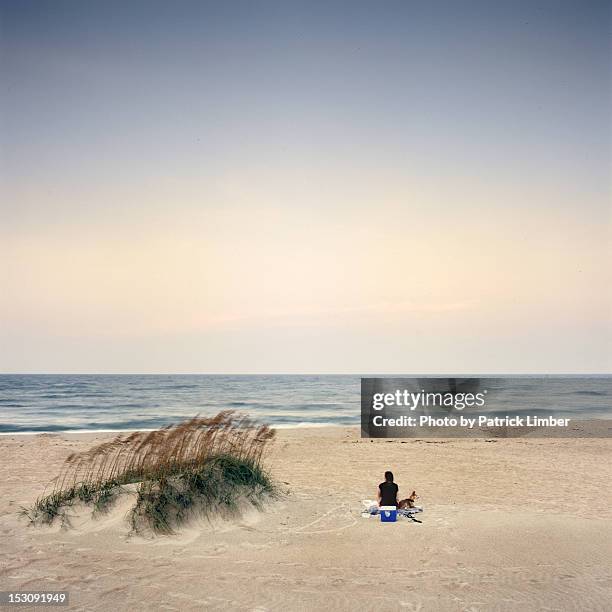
pixel 202 465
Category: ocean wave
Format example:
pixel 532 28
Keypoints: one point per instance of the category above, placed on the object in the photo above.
pixel 12 428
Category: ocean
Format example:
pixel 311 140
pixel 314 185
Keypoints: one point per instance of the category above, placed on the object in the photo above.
pixel 48 403
pixel 40 403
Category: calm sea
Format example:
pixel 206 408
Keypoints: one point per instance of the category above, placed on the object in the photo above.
pixel 82 402
pixel 37 403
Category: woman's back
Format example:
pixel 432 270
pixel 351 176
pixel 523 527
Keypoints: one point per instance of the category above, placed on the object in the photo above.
pixel 388 493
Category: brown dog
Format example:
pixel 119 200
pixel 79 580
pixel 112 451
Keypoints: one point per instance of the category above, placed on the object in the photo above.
pixel 408 502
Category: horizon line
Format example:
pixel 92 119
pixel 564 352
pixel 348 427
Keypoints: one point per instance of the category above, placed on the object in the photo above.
pixel 358 374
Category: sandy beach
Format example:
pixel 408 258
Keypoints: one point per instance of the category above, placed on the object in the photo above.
pixel 508 524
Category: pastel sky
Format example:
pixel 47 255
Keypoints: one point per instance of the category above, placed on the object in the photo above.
pixel 313 187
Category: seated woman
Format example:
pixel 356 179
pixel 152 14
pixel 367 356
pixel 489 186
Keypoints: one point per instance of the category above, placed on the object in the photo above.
pixel 387 491
pixel 387 494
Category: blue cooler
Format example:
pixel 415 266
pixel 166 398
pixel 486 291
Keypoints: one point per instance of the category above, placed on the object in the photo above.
pixel 388 514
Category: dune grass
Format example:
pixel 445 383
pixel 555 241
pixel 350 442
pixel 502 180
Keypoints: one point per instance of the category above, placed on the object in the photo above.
pixel 220 487
pixel 201 466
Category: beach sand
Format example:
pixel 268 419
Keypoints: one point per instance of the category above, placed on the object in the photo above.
pixel 509 524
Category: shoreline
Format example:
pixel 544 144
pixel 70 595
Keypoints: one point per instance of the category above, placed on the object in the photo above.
pixel 573 428
pixel 104 431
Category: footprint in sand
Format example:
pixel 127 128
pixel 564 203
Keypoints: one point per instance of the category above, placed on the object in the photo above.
pixel 410 605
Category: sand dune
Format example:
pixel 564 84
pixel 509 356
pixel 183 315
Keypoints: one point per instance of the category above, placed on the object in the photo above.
pixel 509 524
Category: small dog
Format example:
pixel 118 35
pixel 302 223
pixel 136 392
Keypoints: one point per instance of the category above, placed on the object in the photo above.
pixel 408 502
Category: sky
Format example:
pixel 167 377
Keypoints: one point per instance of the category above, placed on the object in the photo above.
pixel 305 187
